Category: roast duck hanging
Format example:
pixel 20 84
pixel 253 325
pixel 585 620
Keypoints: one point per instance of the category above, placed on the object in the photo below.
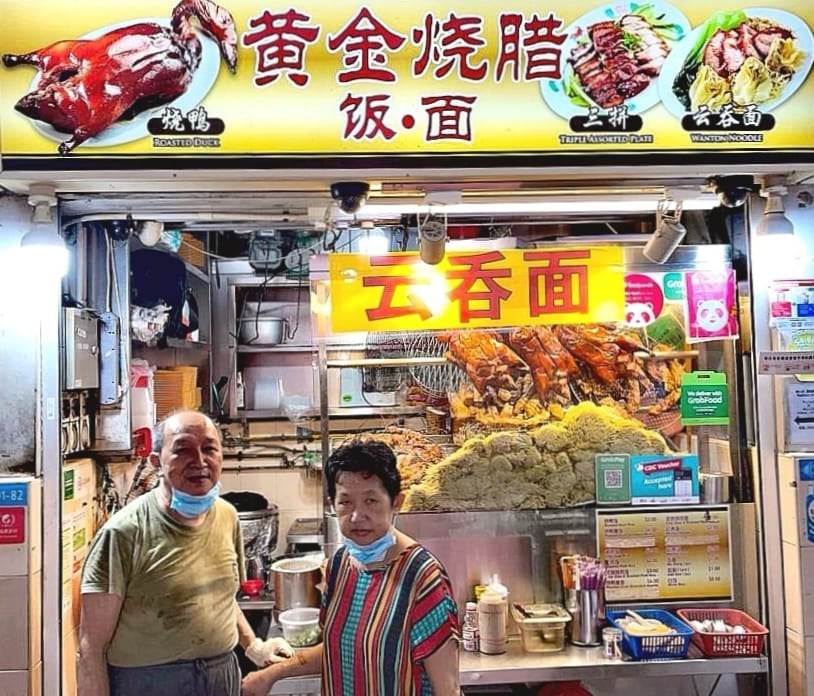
pixel 85 85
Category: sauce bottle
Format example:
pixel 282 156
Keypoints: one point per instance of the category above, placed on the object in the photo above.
pixel 470 633
pixel 492 613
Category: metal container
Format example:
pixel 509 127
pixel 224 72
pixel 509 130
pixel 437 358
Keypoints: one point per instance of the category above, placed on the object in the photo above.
pixel 259 524
pixel 295 581
pixel 262 330
pixel 714 488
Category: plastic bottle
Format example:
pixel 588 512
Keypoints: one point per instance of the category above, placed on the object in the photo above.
pixel 470 632
pixel 810 514
pixel 498 587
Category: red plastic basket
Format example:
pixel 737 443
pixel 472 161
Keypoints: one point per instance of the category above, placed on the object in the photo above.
pixel 749 644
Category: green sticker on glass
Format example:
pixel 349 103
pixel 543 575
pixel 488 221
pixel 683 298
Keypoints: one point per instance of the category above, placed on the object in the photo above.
pixel 704 398
pixel 68 484
pixel 673 286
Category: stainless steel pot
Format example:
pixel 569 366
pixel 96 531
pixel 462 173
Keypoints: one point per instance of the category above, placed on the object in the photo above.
pixel 259 523
pixel 262 330
pixel 294 581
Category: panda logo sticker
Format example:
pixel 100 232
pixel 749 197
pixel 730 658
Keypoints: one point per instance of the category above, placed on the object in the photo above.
pixel 644 300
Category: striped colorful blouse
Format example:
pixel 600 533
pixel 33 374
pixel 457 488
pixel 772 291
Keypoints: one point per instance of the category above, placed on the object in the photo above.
pixel 380 625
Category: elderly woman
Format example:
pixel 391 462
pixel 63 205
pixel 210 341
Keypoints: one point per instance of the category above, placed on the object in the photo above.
pixel 390 623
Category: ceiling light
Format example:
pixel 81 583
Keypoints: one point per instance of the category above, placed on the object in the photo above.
pixel 774 222
pixel 42 243
pixel 432 239
pixel 373 242
pixel 383 209
pixel 668 233
pixel 150 231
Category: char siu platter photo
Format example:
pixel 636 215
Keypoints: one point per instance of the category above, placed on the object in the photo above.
pixel 738 58
pixel 613 56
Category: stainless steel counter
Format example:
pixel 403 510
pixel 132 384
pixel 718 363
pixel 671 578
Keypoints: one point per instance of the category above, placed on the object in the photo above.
pixel 518 667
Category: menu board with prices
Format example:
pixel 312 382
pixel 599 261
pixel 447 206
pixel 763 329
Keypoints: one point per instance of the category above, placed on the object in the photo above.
pixel 666 555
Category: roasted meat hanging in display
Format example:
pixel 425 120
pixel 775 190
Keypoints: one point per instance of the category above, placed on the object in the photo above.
pixel 85 85
pixel 551 365
pixel 529 374
pixel 494 368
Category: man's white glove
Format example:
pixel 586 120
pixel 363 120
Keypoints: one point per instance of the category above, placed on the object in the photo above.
pixel 266 652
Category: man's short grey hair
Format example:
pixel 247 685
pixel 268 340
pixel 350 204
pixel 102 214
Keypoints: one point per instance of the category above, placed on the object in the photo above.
pixel 159 429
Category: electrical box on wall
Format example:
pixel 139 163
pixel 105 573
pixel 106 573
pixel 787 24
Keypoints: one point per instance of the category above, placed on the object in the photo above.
pixel 81 349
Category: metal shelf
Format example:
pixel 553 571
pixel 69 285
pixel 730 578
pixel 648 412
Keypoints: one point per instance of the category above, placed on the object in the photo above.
pixel 262 603
pixel 280 348
pixel 199 273
pixel 389 362
pixel 274 413
pixel 342 411
pixel 184 344
pixel 335 412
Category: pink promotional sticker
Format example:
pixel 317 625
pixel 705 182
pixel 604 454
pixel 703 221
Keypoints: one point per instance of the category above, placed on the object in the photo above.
pixel 710 305
pixel 644 300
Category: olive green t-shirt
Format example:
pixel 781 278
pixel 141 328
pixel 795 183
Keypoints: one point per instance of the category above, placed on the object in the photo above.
pixel 178 583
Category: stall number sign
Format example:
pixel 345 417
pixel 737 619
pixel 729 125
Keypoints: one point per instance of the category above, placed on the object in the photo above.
pixel 13 494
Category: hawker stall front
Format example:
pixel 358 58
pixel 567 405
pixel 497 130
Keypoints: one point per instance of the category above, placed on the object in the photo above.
pixel 530 246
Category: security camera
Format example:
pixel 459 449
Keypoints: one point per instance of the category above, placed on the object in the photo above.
pixel 350 195
pixel 733 189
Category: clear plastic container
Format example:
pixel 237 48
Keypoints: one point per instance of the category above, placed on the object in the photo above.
pixel 301 626
pixel 542 626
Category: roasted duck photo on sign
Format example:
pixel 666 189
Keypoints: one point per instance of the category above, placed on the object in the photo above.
pixel 84 86
pixel 613 56
pixel 739 59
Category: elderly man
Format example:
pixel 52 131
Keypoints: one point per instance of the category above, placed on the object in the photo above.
pixel 158 609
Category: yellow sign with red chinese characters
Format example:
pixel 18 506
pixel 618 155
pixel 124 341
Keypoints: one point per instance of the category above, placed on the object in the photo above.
pixel 381 78
pixel 468 289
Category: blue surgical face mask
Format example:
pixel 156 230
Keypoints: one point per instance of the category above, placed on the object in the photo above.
pixel 191 506
pixel 373 552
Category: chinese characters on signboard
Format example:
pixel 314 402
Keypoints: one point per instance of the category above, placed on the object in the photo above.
pixel 475 289
pixel 528 49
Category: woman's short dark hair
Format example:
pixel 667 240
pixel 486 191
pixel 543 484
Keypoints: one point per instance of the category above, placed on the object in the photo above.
pixel 365 456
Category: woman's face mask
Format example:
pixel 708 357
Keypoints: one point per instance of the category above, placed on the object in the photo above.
pixel 373 552
pixel 365 515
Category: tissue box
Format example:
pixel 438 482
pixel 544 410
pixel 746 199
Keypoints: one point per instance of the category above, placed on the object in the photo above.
pixel 657 479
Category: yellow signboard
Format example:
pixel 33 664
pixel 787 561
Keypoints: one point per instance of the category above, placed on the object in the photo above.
pixel 664 555
pixel 325 77
pixel 500 287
